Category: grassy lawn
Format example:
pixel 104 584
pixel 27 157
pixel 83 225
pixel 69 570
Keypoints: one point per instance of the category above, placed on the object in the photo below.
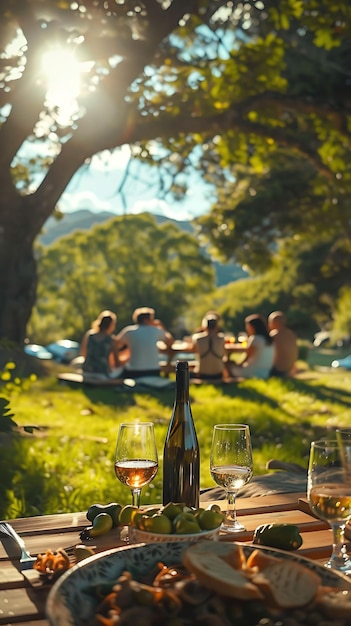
pixel 67 464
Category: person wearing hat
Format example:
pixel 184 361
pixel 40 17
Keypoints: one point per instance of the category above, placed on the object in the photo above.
pixel 208 345
pixel 141 340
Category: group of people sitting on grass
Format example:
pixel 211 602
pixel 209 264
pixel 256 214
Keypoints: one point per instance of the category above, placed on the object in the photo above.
pixel 270 349
pixel 132 353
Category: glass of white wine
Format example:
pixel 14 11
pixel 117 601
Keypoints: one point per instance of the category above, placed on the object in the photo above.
pixel 329 495
pixel 136 461
pixel 231 466
pixel 343 437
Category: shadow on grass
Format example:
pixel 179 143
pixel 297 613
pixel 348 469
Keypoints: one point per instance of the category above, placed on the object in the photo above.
pixel 124 398
pixel 320 392
pixel 247 391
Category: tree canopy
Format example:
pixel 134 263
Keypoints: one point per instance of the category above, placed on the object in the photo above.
pixel 125 263
pixel 252 94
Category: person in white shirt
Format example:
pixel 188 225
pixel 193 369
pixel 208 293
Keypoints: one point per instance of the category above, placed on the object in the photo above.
pixel 259 352
pixel 141 340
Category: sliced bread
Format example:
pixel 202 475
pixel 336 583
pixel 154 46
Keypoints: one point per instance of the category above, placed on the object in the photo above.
pixel 287 584
pixel 209 561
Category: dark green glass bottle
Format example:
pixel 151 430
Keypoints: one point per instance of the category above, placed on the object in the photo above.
pixel 181 456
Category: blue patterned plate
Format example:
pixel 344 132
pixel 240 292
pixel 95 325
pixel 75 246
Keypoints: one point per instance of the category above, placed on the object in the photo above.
pixel 71 602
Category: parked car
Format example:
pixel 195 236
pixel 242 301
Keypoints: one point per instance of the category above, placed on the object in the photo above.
pixel 64 350
pixel 40 352
pixel 320 338
pixel 324 338
pixel 345 363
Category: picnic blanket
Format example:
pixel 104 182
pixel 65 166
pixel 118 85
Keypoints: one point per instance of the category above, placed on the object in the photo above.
pixel 142 383
pixel 267 484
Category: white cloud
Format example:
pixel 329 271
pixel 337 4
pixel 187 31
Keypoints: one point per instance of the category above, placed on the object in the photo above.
pixel 107 161
pixel 83 200
pixel 96 188
pixel 160 207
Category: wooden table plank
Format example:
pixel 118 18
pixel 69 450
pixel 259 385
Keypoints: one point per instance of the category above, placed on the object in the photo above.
pixel 282 517
pixel 317 545
pixel 257 504
pixel 41 543
pixel 66 522
pixel 33 622
pixel 21 605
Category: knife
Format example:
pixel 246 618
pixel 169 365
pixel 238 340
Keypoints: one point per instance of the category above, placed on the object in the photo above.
pixel 26 560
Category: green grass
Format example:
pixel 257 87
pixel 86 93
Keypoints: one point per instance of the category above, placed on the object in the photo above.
pixel 68 464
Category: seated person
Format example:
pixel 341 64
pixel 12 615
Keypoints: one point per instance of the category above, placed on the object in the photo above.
pixel 208 346
pixel 141 339
pixel 100 349
pixel 285 345
pixel 258 361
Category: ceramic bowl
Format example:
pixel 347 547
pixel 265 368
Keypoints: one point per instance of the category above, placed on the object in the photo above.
pixel 142 536
pixel 73 599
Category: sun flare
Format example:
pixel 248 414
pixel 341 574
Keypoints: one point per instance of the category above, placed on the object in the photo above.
pixel 63 82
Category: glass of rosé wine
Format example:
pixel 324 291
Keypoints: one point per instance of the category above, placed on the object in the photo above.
pixel 329 496
pixel 136 461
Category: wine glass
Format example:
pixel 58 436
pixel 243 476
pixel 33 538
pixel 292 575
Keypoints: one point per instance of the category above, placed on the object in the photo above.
pixel 231 466
pixel 343 437
pixel 329 495
pixel 136 461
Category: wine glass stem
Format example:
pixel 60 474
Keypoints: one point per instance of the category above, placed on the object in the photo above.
pixel 339 547
pixel 136 497
pixel 231 508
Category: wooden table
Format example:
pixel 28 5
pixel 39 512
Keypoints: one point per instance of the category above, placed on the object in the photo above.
pixel 22 603
pixel 185 349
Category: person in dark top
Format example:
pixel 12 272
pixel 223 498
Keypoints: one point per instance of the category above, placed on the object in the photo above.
pixel 100 348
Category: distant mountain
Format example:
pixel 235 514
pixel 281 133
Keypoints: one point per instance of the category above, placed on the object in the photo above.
pixel 85 220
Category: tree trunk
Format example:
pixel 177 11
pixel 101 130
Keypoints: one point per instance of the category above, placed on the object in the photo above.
pixel 18 280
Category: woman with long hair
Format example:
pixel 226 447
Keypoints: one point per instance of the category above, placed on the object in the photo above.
pixel 100 347
pixel 259 351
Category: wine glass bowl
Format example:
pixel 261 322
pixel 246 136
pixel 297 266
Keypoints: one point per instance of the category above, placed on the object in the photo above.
pixel 231 466
pixel 136 460
pixel 329 495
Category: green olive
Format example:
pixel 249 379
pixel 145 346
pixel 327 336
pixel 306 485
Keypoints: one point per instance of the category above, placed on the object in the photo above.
pixel 171 510
pixel 209 520
pixel 101 525
pixel 186 524
pixel 281 536
pixel 126 513
pixel 158 523
pixel 82 552
pixel 113 509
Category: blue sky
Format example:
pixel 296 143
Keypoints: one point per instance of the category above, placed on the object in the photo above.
pixel 96 189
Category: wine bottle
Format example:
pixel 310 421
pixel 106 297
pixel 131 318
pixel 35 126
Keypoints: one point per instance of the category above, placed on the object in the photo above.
pixel 181 456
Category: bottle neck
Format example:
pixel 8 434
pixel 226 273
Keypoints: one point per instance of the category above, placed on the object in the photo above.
pixel 182 385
